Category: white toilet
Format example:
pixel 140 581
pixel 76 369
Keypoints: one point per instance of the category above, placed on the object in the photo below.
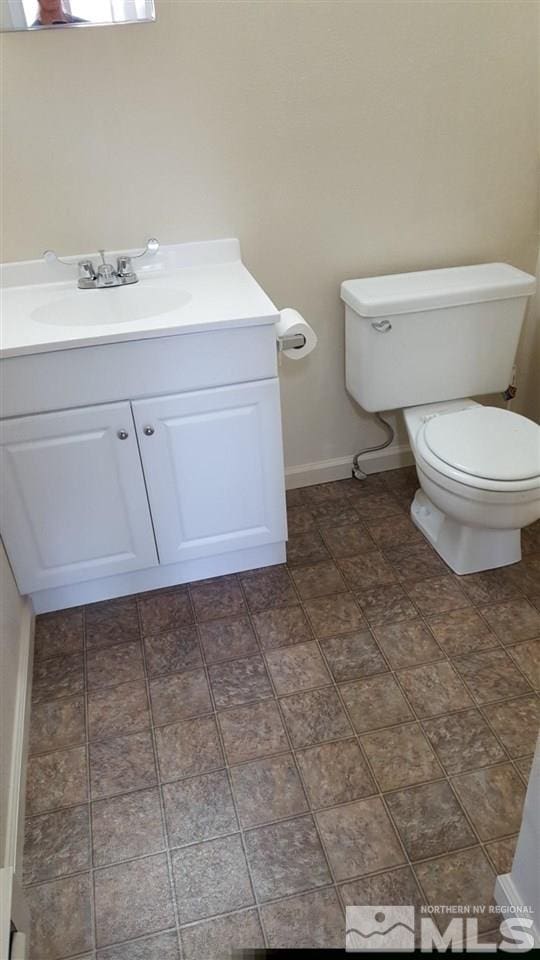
pixel 424 342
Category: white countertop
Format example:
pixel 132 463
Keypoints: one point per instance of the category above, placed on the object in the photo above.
pixel 184 288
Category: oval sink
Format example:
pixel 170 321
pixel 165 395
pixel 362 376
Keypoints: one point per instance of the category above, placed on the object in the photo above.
pixel 86 308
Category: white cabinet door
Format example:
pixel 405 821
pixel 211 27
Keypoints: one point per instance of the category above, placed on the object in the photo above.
pixel 213 464
pixel 73 504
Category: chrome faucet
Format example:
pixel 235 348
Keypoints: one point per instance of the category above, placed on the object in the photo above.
pixel 106 275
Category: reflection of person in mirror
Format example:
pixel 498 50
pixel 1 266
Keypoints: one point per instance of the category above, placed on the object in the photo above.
pixel 52 13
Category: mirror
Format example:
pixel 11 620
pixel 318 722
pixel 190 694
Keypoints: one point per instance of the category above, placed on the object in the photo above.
pixel 54 14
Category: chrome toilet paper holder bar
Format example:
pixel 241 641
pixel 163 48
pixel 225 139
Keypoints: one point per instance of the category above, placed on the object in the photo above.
pixel 292 342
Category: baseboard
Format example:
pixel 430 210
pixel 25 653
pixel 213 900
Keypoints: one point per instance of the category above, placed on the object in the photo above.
pixel 19 752
pixel 307 474
pixel 506 894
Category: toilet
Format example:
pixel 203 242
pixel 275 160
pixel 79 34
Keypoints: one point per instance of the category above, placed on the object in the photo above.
pixel 425 343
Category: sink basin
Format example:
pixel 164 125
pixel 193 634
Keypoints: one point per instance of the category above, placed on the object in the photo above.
pixel 104 307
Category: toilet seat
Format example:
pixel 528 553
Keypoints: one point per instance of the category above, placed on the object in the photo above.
pixel 483 447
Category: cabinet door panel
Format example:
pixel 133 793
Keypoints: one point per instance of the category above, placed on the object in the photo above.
pixel 214 469
pixel 74 504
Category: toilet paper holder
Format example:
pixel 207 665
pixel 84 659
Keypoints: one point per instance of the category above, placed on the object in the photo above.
pixel 293 341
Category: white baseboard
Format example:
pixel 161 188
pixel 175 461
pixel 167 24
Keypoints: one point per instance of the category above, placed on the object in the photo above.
pixel 307 474
pixel 506 894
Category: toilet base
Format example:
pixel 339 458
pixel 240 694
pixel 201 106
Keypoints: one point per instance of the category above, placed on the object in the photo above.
pixel 465 549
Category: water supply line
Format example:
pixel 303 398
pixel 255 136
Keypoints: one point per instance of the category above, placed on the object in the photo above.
pixel 357 469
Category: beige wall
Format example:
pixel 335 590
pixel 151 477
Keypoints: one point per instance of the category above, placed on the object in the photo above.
pixel 336 139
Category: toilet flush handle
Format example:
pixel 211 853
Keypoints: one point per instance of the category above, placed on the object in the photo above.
pixel 382 326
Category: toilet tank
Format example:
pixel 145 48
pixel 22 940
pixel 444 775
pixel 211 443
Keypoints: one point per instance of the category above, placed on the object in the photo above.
pixel 414 338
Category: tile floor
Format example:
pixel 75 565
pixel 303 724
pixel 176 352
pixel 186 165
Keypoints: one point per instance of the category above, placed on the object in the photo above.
pixel 229 764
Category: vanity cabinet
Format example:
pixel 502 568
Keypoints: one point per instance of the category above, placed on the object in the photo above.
pixel 74 503
pixel 119 487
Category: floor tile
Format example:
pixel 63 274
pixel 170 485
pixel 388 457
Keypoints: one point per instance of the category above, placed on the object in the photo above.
pixel 211 878
pixel 393 530
pixel 395 887
pixel 217 598
pixel 332 513
pixel 493 798
pixel 306 547
pixel 524 766
pixel 323 492
pixel 200 808
pixel 58 634
pixel 161 612
pixel 516 723
pixel 126 827
pixel 459 879
pixel 107 667
pixel 270 587
pixel 429 820
pixel 121 765
pixel 310 921
pixel 188 748
pixel 227 638
pixel 299 667
pixel 406 643
pixel 57 724
pixel 56 844
pixel 180 696
pixel 414 562
pixel 513 621
pixel 253 731
pixel 315 716
pixel 359 838
pixel 300 519
pixel 347 540
pixel 116 710
pixel 268 790
pixel 460 632
pixel 335 773
pixel 400 756
pixel 376 702
pixel 318 580
pixel 530 539
pixel 223 937
pixel 286 858
pixel 239 681
pixel 110 622
pixel 296 497
pixel 376 506
pixel 159 946
pixel 173 652
pixel 525 576
pixel 438 595
pixel 282 627
pixel 61 917
pixel 56 780
pixel 366 571
pixel 385 604
pixel 132 899
pixel 59 677
pixel 434 688
pixel 331 616
pixel 491 586
pixel 463 741
pixel 354 655
pixel 501 854
pixel 491 676
pixel 527 657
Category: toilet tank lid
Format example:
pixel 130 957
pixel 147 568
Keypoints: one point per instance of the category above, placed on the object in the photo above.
pixel 430 289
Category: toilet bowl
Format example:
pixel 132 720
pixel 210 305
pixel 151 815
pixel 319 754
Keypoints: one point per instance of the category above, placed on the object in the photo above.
pixel 479 474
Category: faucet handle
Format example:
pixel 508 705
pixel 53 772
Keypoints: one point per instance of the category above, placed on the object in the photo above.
pixel 152 246
pixel 50 256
